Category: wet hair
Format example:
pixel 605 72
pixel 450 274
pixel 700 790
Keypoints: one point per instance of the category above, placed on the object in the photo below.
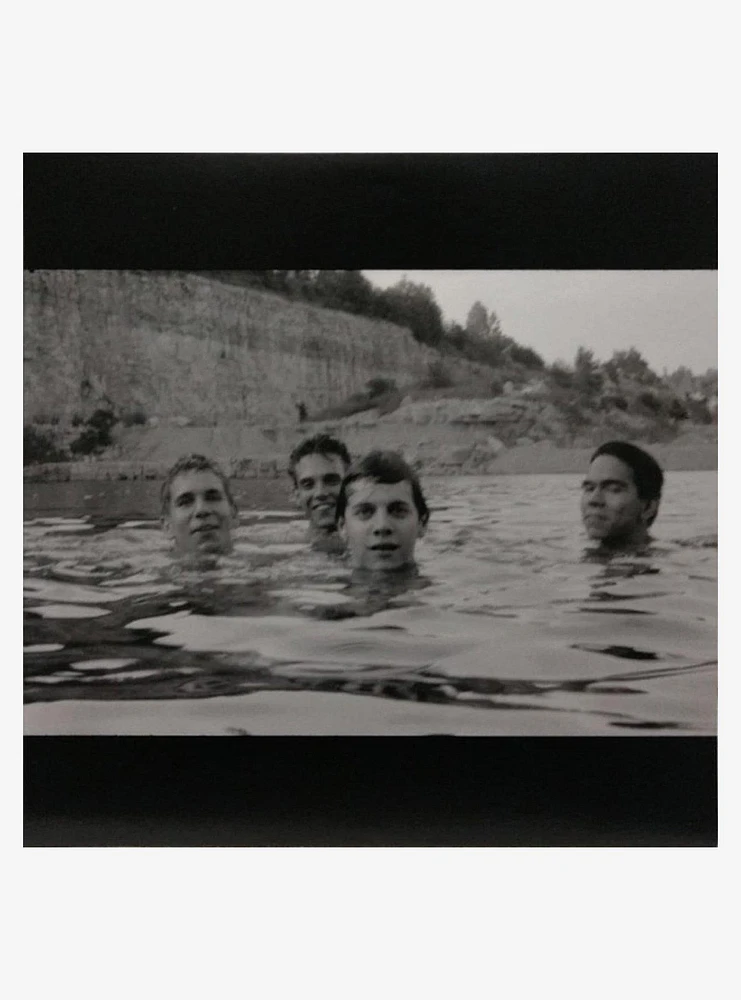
pixel 383 467
pixel 647 474
pixel 320 444
pixel 192 463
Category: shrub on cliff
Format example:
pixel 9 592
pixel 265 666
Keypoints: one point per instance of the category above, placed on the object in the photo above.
pixel 524 356
pixel 40 447
pixel 380 386
pixel 134 417
pixel 96 436
pixel 438 376
pixel 561 376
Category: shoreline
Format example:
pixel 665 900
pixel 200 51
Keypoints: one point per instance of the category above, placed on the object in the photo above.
pixel 532 459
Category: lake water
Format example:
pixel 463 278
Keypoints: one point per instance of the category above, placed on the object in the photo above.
pixel 508 630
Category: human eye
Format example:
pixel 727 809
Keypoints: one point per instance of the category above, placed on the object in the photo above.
pixel 399 509
pixel 306 484
pixel 363 511
pixel 184 499
pixel 214 496
pixel 332 479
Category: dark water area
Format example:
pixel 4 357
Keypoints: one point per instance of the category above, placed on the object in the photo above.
pixel 138 498
pixel 507 629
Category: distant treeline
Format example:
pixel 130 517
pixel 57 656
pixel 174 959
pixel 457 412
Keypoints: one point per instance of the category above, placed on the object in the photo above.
pixel 622 382
pixel 407 303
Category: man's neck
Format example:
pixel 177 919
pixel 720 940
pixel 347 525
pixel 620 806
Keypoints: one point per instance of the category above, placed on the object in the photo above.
pixel 325 539
pixel 633 542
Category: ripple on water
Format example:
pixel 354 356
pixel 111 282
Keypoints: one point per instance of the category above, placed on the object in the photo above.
pixel 513 634
pixel 68 611
pixel 102 664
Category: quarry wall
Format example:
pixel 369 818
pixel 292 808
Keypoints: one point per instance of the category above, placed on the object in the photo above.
pixel 179 345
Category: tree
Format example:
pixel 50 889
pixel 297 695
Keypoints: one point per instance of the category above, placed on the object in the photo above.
pixel 561 375
pixel 588 379
pixel 631 365
pixel 456 336
pixel 681 380
pixel 477 321
pixel 524 355
pixel 347 290
pixel 483 324
pixel 414 306
pixel 677 410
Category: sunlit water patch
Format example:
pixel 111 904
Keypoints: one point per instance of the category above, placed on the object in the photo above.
pixel 507 629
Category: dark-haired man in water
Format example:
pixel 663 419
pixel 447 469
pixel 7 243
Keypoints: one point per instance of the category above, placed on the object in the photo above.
pixel 198 510
pixel 317 466
pixel 620 498
pixel 381 512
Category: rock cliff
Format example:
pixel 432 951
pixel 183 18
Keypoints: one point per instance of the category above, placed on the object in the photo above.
pixel 179 345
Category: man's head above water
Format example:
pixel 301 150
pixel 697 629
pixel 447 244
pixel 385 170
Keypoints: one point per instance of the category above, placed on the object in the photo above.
pixel 381 511
pixel 621 493
pixel 317 466
pixel 198 510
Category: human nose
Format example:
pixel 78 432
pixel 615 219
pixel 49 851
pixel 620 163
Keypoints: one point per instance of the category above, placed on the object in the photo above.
pixel 201 507
pixel 596 498
pixel 381 524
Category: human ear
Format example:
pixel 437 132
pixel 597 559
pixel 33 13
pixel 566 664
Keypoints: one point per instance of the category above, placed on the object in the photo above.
pixel 341 529
pixel 650 510
pixel 167 527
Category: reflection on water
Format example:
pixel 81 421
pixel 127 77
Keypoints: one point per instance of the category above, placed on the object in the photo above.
pixel 507 629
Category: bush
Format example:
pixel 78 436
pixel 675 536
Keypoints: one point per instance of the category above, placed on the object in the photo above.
pixel 380 386
pixel 561 376
pixel 97 434
pixel 438 376
pixel 136 416
pixel 40 447
pixel 651 402
pixel 677 410
pixel 614 402
pixel 525 356
pixel 698 411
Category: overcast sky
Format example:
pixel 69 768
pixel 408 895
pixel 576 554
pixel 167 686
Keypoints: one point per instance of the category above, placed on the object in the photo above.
pixel 670 316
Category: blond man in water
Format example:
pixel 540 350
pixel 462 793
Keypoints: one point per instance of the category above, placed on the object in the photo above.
pixel 198 510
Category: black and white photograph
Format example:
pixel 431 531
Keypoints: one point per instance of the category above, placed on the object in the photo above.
pixel 433 505
pixel 381 503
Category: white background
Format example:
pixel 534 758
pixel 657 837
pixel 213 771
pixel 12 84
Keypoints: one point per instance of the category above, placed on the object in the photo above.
pixel 380 77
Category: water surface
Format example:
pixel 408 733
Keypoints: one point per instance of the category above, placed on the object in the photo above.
pixel 507 630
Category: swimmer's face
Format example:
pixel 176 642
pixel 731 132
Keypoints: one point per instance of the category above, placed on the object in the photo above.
pixel 200 517
pixel 611 509
pixel 381 525
pixel 318 481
